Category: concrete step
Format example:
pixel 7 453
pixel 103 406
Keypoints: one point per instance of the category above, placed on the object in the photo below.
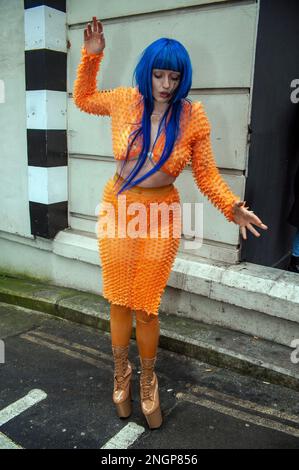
pixel 219 346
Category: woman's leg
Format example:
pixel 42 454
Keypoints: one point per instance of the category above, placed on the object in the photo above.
pixel 121 320
pixel 121 328
pixel 147 333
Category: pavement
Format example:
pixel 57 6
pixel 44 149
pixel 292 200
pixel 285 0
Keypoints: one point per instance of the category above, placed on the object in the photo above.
pixel 57 383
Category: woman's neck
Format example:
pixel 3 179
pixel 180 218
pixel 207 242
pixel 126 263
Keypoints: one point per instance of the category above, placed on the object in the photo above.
pixel 159 108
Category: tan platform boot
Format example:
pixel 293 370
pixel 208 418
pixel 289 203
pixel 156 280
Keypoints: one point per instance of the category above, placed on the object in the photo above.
pixel 149 393
pixel 122 392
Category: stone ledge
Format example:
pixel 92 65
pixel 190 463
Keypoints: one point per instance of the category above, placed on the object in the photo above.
pixel 264 289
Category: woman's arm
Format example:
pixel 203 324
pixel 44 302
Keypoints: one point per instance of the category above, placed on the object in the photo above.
pixel 85 93
pixel 211 183
pixel 204 169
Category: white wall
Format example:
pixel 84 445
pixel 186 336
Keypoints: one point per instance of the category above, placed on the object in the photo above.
pixel 14 206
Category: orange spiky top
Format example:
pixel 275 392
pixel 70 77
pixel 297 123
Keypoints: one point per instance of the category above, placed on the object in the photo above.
pixel 125 106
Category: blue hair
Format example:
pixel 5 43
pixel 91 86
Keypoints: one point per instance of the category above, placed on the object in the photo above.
pixel 169 54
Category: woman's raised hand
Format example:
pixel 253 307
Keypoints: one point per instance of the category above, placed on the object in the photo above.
pixel 94 41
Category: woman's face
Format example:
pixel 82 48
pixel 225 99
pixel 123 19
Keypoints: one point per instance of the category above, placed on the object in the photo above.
pixel 164 81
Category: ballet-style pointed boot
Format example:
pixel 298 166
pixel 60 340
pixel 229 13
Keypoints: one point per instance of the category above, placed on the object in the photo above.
pixel 149 393
pixel 122 392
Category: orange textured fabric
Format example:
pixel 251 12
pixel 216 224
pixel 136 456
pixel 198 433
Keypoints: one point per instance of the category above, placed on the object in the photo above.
pixel 124 105
pixel 135 269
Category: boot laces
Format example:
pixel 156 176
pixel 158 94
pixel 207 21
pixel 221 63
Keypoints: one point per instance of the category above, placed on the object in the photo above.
pixel 121 365
pixel 146 383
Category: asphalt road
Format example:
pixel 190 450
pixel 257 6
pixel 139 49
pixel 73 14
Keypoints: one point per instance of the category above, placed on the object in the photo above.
pixel 56 393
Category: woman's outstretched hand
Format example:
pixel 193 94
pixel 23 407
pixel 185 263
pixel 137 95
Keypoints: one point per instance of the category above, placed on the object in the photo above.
pixel 245 218
pixel 94 41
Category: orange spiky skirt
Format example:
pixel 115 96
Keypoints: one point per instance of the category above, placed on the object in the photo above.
pixel 138 239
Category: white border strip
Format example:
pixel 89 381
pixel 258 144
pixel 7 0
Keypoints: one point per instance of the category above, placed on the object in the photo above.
pixel 125 437
pixel 16 408
pixel 6 443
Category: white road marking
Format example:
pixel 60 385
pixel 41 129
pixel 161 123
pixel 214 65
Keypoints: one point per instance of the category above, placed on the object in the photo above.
pixel 6 443
pixel 124 438
pixel 16 408
pixel 72 344
pixel 249 405
pixel 238 414
pixel 66 351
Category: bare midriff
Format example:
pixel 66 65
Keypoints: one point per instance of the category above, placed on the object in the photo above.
pixel 159 178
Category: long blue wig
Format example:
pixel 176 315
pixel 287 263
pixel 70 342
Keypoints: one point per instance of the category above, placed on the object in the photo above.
pixel 168 54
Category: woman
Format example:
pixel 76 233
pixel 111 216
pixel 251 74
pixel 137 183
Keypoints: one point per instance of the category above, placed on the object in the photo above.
pixel 156 131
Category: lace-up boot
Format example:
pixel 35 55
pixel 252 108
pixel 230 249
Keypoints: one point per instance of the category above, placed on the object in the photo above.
pixel 122 392
pixel 149 393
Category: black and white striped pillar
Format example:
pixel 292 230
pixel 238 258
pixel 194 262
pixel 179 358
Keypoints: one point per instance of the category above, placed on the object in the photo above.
pixel 46 109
